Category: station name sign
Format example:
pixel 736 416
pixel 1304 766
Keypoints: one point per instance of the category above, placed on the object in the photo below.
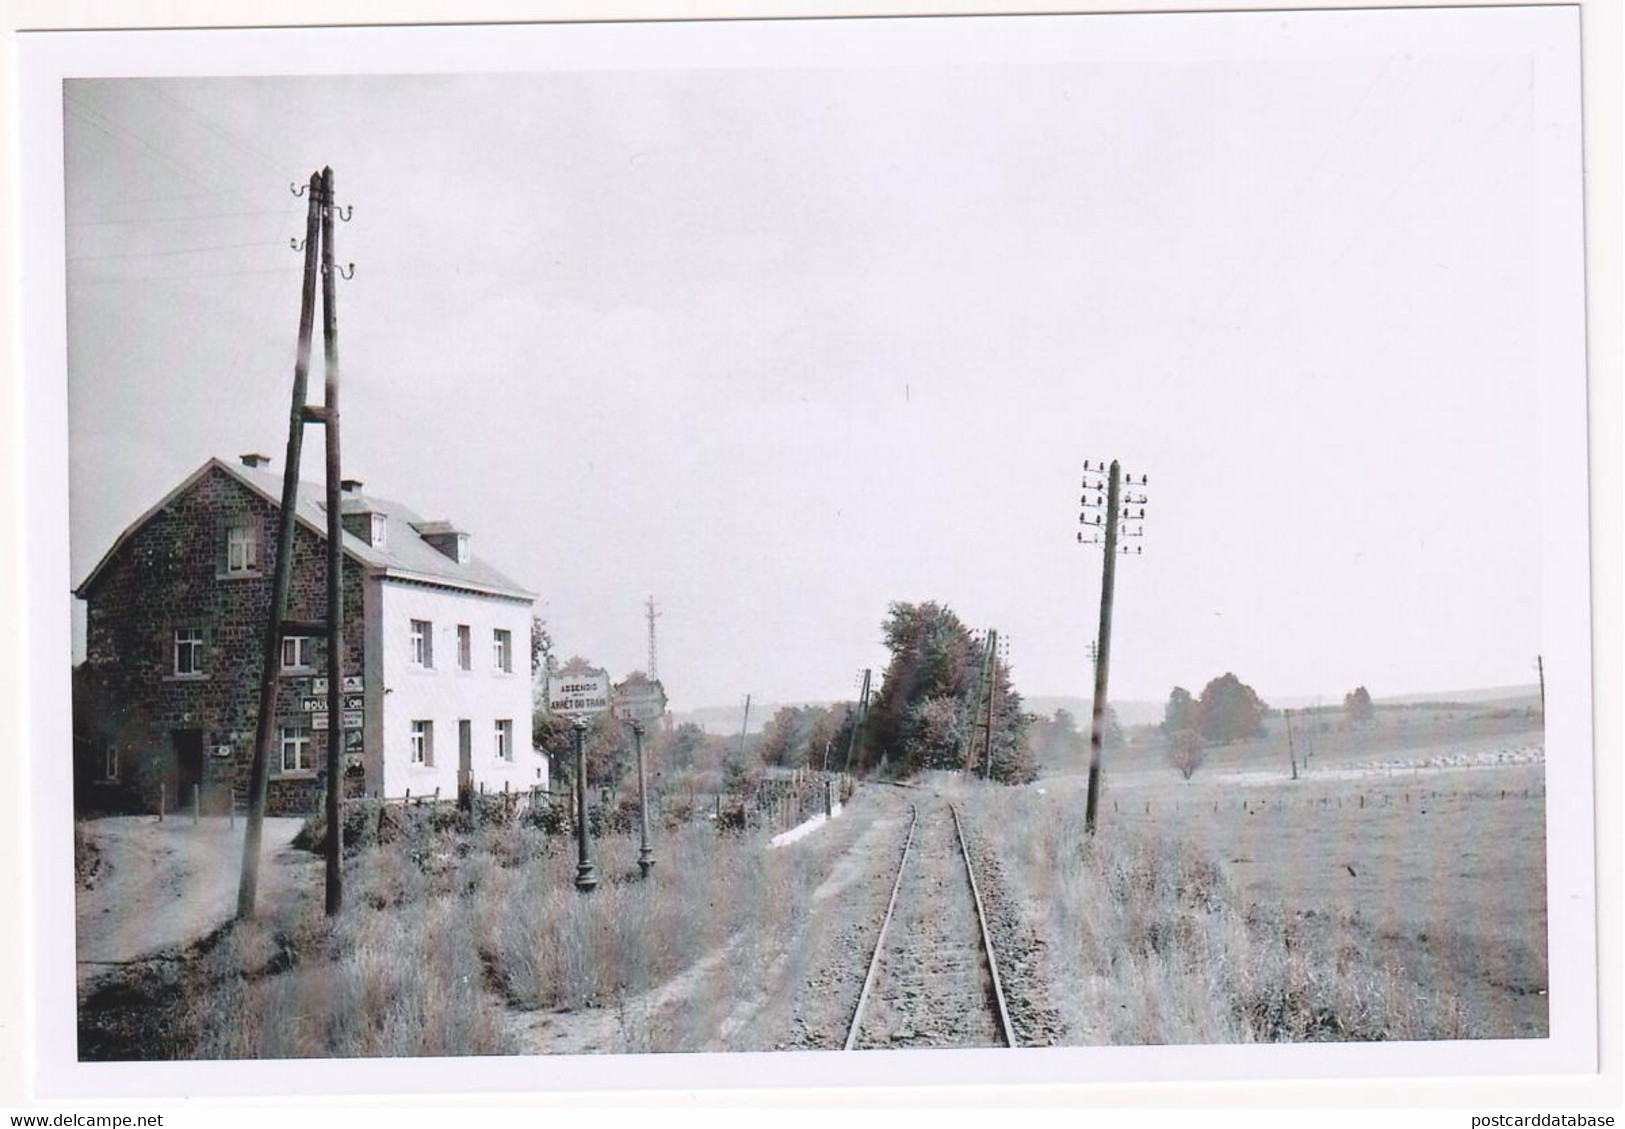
pixel 640 700
pixel 578 695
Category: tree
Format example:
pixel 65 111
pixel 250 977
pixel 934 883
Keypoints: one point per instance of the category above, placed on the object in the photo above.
pixel 1358 704
pixel 1186 752
pixel 925 712
pixel 1229 710
pixel 541 647
pixel 681 749
pixel 1180 712
pixel 938 731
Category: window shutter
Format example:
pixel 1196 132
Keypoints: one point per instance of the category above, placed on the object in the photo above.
pixel 428 745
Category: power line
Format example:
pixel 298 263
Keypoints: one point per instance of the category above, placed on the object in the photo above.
pixel 166 254
pixel 132 279
pixel 282 212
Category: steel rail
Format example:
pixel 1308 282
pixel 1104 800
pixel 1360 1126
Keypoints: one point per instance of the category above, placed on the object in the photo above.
pixel 987 938
pixel 880 940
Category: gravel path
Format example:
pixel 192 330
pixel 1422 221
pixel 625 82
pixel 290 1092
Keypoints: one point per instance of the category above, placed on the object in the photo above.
pixel 168 884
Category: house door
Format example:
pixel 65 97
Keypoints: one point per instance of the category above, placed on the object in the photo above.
pixel 465 757
pixel 188 764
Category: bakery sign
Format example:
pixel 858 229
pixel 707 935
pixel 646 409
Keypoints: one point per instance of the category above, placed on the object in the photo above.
pixel 578 695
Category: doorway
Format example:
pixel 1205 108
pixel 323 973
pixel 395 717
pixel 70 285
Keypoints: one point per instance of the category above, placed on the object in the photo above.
pixel 465 761
pixel 188 764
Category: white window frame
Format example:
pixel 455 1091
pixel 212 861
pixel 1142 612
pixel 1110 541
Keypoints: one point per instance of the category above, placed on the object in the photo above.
pixel 423 644
pixel 295 739
pixel 301 652
pixel 502 649
pixel 423 743
pixel 504 739
pixel 246 539
pixel 379 530
pixel 465 647
pixel 193 642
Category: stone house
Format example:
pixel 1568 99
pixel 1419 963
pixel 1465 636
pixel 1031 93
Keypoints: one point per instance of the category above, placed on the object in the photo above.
pixel 436 654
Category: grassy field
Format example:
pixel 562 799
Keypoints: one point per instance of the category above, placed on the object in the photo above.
pixel 1358 902
pixel 447 934
pixel 1389 902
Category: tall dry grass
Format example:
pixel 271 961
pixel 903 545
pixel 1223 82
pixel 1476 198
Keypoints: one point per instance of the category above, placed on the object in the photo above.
pixel 1148 942
pixel 447 929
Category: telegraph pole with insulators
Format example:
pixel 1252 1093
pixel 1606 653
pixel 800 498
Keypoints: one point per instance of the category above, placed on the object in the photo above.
pixel 1108 514
pixel 282 570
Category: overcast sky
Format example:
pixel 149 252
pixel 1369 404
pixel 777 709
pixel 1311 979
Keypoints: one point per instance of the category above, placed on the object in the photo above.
pixel 778 347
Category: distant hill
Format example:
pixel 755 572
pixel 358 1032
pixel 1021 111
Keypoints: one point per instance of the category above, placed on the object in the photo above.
pixel 724 720
pixel 1129 711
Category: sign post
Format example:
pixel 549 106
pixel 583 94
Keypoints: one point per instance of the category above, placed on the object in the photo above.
pixel 646 855
pixel 578 697
pixel 586 873
pixel 638 700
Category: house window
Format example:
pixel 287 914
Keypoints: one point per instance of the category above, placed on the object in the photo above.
pixel 295 748
pixel 110 763
pixel 465 647
pixel 502 649
pixel 379 527
pixel 296 652
pixel 242 549
pixel 423 743
pixel 505 740
pixel 423 643
pixel 189 650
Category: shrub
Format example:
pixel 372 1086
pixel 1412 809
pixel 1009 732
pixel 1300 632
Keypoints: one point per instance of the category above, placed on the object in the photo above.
pixel 1186 752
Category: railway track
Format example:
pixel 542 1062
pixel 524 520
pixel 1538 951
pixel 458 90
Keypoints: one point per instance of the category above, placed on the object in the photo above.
pixel 933 979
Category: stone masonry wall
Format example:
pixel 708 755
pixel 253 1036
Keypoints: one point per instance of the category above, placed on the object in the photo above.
pixel 170 575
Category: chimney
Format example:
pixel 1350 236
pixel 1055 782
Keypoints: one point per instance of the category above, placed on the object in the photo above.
pixel 350 485
pixel 254 462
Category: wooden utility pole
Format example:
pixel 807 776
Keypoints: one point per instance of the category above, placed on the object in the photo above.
pixel 857 722
pixel 1103 647
pixel 1118 512
pixel 982 725
pixel 281 576
pixel 335 564
pixel 992 698
pixel 1540 667
pixel 744 727
pixel 1290 752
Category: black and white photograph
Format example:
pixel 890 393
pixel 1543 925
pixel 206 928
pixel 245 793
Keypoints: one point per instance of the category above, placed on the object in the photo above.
pixel 856 539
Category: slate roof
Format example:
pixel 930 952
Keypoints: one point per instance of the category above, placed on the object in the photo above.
pixel 405 555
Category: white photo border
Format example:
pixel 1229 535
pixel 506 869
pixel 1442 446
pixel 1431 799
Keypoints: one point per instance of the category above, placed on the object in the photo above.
pixel 1548 35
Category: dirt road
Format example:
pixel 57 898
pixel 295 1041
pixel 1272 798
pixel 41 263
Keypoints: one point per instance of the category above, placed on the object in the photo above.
pixel 165 885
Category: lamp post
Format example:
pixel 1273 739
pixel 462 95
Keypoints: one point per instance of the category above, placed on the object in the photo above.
pixel 586 873
pixel 646 855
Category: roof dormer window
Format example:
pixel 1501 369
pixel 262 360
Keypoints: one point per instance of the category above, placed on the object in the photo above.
pixel 446 538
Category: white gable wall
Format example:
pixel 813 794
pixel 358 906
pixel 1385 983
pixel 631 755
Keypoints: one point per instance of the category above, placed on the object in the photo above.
pixel 445 694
